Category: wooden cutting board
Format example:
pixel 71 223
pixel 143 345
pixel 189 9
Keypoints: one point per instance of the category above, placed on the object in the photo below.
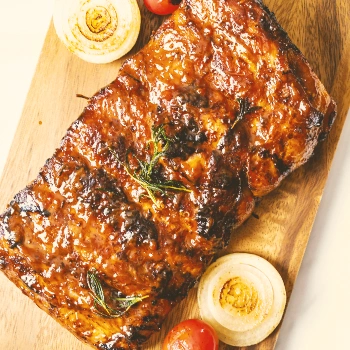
pixel 281 227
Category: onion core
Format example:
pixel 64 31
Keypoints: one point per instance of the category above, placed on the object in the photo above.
pixel 243 297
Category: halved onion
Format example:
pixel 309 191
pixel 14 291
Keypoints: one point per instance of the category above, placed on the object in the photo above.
pixel 243 297
pixel 98 31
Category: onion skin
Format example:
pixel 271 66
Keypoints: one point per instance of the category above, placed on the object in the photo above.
pixel 243 297
pixel 97 31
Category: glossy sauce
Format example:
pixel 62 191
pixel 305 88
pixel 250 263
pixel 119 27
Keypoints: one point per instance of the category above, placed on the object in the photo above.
pixel 244 110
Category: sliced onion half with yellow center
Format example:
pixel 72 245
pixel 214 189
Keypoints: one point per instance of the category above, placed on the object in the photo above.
pixel 243 297
pixel 98 31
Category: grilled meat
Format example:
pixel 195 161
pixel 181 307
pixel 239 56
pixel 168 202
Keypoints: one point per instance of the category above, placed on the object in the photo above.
pixel 161 166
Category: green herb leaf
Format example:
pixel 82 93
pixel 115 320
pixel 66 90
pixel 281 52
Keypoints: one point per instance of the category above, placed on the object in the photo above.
pixel 145 173
pixel 245 108
pixel 101 307
pixel 127 302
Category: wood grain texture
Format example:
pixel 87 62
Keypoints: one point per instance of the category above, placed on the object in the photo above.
pixel 320 28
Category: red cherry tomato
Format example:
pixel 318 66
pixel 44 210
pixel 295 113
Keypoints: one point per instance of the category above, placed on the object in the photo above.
pixel 191 335
pixel 162 7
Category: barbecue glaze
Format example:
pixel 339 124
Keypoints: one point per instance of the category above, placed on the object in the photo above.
pixel 238 108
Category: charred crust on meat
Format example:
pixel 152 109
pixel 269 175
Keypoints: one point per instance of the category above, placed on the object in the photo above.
pixel 205 222
pixel 150 318
pixel 188 283
pixel 28 204
pixel 224 178
pixel 159 109
pixel 137 228
pixel 98 186
pixel 315 119
pixel 323 135
pixel 269 25
pixel 119 147
pixel 162 275
pixel 280 165
pixel 331 119
pixel 30 281
pixel 13 239
pixel 274 30
pixel 234 139
pixel 194 96
pixel 109 346
pixel 13 234
pixel 225 227
pixel 220 175
pixel 187 138
pixel 3 263
pixel 264 153
pixel 148 325
pixel 134 335
pixel 185 282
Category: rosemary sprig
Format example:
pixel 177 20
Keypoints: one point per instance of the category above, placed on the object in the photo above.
pixel 100 305
pixel 245 108
pixel 145 173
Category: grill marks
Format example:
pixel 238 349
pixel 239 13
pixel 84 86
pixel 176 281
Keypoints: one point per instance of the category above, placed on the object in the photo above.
pixel 188 138
pixel 103 195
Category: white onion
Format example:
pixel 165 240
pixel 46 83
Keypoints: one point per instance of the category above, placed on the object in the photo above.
pixel 243 297
pixel 98 31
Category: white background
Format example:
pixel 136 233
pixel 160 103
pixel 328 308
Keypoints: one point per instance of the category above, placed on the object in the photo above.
pixel 318 316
